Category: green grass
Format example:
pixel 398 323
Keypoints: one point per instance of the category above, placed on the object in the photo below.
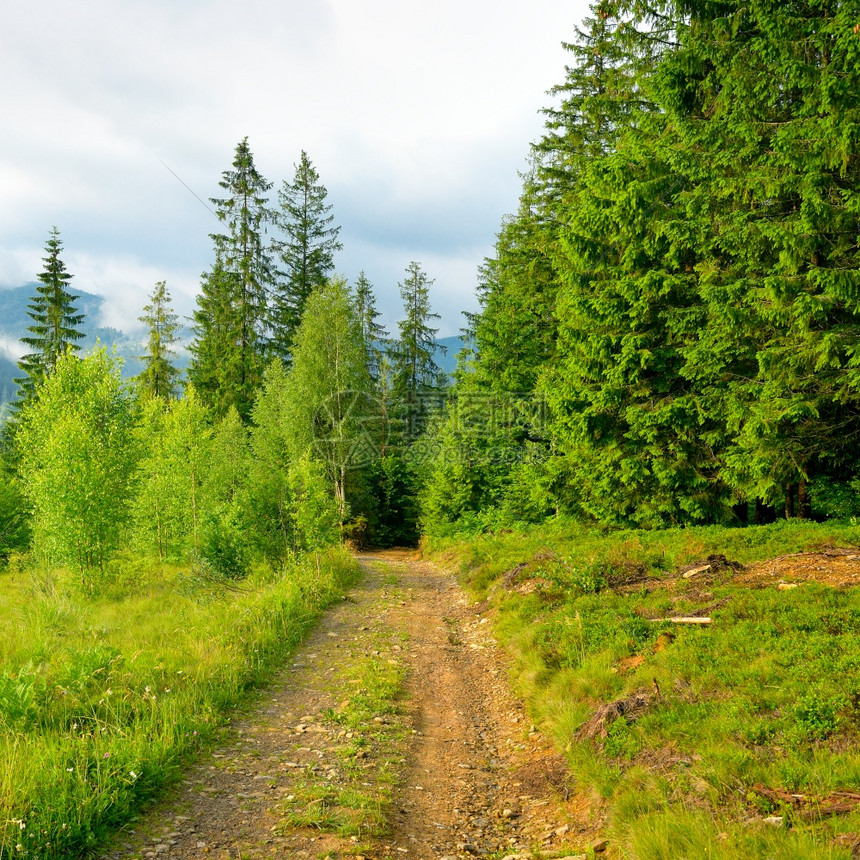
pixel 768 694
pixel 372 731
pixel 104 696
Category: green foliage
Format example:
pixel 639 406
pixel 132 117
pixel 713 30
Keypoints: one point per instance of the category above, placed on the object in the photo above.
pixel 328 386
pixel 289 501
pixel 392 501
pixel 169 503
pixel 15 530
pixel 56 323
pixel 224 548
pixel 680 280
pixel 373 333
pixel 227 463
pixel 158 377
pixel 77 458
pixel 816 716
pixel 837 499
pixel 487 461
pixel 413 354
pixel 307 251
pixel 231 319
pixel 515 332
pixel 314 516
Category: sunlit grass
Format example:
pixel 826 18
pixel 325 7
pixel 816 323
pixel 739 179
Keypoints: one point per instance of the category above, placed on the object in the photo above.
pixel 104 692
pixel 769 694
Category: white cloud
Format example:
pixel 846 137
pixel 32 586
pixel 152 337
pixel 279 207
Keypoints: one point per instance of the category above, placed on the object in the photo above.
pixel 12 349
pixel 416 113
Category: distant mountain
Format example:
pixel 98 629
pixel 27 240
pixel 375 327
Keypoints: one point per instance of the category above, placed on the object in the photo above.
pixel 14 320
pixel 452 345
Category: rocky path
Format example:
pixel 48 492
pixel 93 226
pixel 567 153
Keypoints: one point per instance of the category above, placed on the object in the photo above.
pixel 393 734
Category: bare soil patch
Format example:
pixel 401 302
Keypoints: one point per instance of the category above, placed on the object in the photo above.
pixel 459 771
pixel 839 568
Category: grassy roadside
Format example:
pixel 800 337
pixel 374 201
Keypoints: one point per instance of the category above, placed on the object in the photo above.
pixel 103 697
pixel 728 740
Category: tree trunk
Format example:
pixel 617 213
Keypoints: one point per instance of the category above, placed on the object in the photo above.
pixel 764 513
pixel 804 504
pixel 790 491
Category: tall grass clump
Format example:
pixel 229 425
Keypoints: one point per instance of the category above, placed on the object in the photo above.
pixel 105 694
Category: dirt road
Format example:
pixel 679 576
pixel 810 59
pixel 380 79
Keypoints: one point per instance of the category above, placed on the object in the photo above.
pixel 393 734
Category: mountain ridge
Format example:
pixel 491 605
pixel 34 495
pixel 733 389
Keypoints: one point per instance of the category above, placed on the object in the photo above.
pixel 14 320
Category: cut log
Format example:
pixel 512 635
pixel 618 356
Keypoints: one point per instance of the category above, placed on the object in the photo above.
pixel 685 619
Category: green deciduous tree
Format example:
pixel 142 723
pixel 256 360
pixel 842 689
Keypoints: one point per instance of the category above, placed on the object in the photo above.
pixel 77 459
pixel 329 386
pixel 290 500
pixel 306 251
pixel 170 503
pixel 56 322
pixel 159 377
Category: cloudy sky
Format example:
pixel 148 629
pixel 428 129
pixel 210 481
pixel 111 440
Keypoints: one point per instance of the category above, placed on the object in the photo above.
pixel 416 114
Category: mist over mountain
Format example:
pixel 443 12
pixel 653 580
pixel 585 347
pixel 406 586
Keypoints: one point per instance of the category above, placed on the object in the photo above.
pixel 14 320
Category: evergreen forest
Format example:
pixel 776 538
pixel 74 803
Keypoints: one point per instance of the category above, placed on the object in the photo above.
pixel 668 331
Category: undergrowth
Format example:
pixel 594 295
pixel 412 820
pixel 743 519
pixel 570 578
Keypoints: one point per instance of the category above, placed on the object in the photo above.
pixel 104 696
pixel 705 731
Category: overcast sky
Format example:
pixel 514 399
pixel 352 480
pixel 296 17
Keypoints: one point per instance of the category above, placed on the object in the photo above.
pixel 416 114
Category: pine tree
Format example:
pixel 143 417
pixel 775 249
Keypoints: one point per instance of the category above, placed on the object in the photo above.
pixel 55 319
pixel 307 251
pixel 159 376
pixel 232 317
pixel 761 101
pixel 601 96
pixel 414 353
pixel 516 330
pixel 373 333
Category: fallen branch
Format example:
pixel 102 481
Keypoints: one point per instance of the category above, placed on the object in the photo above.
pixel 629 708
pixel 809 807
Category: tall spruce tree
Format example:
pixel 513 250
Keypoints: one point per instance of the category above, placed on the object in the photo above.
pixel 159 376
pixel 373 333
pixel 516 329
pixel 232 316
pixel 761 102
pixel 56 322
pixel 306 251
pixel 414 353
pixel 631 435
